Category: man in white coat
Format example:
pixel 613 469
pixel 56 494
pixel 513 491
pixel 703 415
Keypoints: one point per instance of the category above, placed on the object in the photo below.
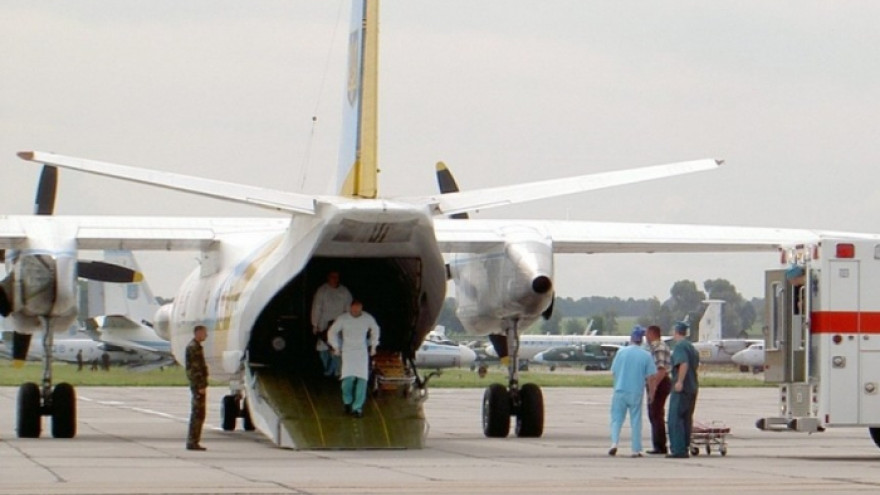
pixel 331 300
pixel 354 336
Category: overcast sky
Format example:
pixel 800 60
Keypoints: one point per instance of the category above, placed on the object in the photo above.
pixel 788 93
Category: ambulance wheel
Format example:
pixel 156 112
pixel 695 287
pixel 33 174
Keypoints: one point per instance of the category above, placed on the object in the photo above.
pixel 875 435
pixel 63 411
pixel 229 412
pixel 28 420
pixel 530 420
pixel 496 411
pixel 246 414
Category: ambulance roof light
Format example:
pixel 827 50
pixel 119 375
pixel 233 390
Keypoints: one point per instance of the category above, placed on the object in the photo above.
pixel 846 250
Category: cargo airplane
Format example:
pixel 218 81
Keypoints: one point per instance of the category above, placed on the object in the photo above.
pixel 256 276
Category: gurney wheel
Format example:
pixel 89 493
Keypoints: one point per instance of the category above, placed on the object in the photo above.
pixel 723 450
pixel 708 450
pixel 695 451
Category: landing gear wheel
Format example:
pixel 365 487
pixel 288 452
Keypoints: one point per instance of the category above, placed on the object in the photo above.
pixel 496 411
pixel 229 412
pixel 29 420
pixel 246 414
pixel 875 434
pixel 63 411
pixel 530 420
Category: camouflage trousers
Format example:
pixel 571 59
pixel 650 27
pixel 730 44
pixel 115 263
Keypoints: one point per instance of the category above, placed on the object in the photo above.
pixel 196 418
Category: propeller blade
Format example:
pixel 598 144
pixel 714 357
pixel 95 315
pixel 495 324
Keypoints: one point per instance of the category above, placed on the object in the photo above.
pixel 44 204
pixel 5 301
pixel 100 271
pixel 447 184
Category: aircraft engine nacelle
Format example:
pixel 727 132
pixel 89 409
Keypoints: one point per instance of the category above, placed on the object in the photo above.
pixel 512 281
pixel 162 322
pixel 40 288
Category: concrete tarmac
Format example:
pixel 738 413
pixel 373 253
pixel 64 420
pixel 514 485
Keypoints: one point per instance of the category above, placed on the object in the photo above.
pixel 131 440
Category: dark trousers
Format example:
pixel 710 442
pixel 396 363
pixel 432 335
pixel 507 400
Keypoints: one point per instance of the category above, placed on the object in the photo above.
pixel 196 418
pixel 657 414
pixel 681 421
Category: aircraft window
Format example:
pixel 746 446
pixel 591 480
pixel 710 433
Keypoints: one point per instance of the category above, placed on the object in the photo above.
pixel 776 307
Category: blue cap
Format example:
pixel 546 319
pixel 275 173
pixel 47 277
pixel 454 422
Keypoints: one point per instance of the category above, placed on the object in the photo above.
pixel 638 333
pixel 793 272
pixel 681 326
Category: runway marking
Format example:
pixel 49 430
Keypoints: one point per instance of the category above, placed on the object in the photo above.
pixel 152 412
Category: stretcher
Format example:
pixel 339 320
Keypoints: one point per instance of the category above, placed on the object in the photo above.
pixel 708 435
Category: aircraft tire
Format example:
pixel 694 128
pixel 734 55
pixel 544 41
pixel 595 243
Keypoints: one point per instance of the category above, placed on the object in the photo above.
pixel 229 412
pixel 530 420
pixel 875 435
pixel 496 411
pixel 246 414
pixel 28 420
pixel 64 411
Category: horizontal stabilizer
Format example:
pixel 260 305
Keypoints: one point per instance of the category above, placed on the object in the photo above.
pixel 478 199
pixel 252 195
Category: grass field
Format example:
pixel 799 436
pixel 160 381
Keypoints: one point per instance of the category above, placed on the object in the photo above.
pixel 455 378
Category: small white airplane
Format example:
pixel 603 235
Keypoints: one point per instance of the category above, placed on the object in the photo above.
pixel 531 345
pixel 256 277
pixel 750 358
pixel 438 352
pixel 713 348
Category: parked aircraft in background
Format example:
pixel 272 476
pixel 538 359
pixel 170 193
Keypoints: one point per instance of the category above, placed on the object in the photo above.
pixel 438 352
pixel 590 357
pixel 750 358
pixel 531 345
pixel 713 348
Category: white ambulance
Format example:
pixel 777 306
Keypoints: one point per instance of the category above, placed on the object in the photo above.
pixel 822 340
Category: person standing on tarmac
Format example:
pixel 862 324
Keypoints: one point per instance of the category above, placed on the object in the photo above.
pixel 630 369
pixel 659 387
pixel 685 361
pixel 354 336
pixel 197 374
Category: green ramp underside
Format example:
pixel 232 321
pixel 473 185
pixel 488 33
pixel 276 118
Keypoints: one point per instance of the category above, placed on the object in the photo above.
pixel 311 410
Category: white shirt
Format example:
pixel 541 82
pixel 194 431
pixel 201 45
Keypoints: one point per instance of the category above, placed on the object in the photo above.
pixel 353 336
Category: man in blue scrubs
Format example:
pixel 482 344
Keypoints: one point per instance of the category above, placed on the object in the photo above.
pixel 631 368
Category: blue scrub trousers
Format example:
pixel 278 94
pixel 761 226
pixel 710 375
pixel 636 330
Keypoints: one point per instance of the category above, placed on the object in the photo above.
pixel 354 392
pixel 680 421
pixel 621 402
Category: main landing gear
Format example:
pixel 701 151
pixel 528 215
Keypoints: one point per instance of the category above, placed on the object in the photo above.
pixel 232 407
pixel 526 403
pixel 35 401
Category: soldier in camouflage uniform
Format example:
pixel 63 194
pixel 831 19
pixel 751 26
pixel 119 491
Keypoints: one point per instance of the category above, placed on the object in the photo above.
pixel 197 374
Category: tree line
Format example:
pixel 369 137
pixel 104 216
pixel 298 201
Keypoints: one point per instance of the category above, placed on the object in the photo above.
pixel 685 303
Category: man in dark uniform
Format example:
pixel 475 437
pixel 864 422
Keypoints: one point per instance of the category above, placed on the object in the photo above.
pixel 79 360
pixel 685 361
pixel 197 374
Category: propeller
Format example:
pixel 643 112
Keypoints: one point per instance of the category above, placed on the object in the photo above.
pixel 447 185
pixel 44 204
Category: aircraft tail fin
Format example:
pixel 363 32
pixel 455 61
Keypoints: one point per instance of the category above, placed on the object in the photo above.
pixel 358 170
pixel 710 323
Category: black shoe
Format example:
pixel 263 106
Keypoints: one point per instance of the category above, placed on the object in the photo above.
pixel 677 456
pixel 612 451
pixel 657 452
pixel 348 409
pixel 358 414
pixel 195 447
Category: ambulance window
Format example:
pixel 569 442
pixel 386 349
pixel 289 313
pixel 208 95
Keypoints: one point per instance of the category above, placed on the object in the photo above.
pixel 777 305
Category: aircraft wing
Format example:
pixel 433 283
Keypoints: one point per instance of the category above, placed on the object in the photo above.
pixel 469 236
pixel 477 199
pixel 258 196
pixel 123 232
